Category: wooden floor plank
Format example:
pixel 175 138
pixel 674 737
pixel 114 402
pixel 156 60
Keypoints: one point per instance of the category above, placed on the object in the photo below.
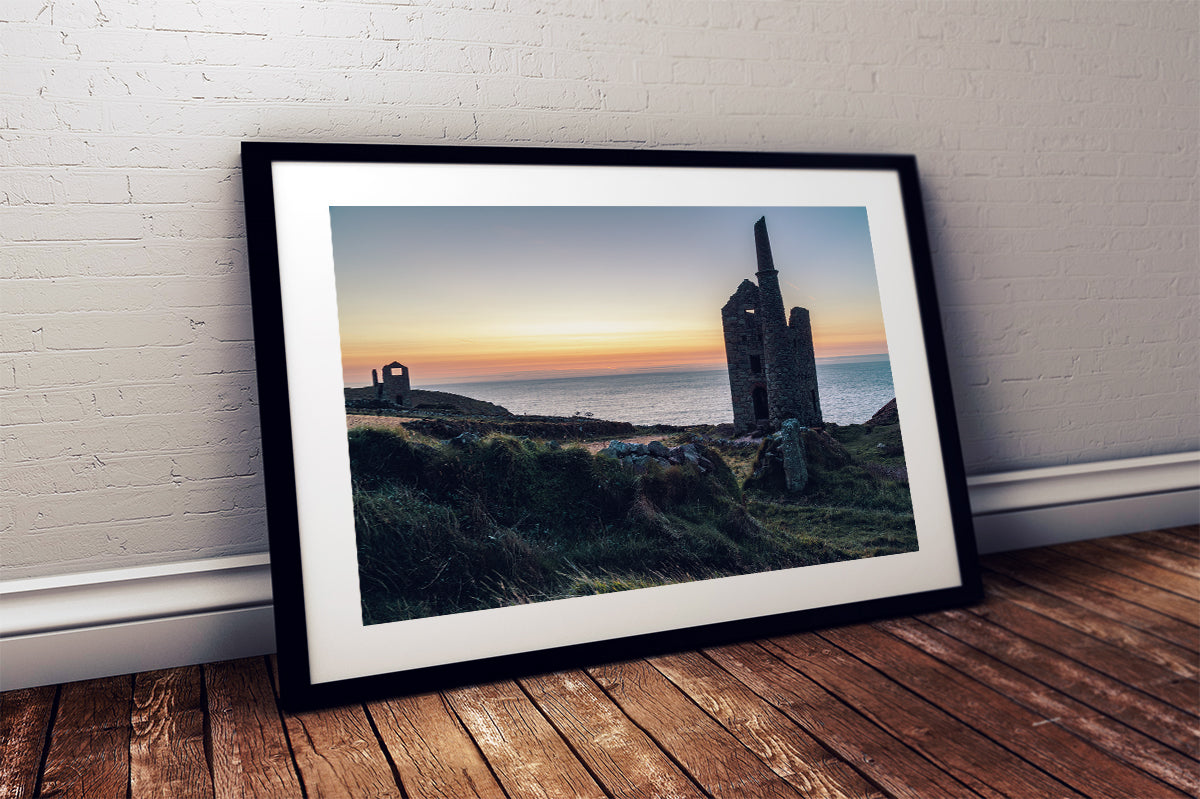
pixel 985 766
pixel 526 753
pixel 337 754
pixel 166 751
pixel 432 752
pixel 1078 675
pixel 1156 719
pixel 1054 706
pixel 1112 606
pixel 250 754
pixel 791 752
pixel 716 760
pixel 1137 672
pixel 1120 585
pixel 24 722
pixel 618 753
pixel 1181 539
pixel 1189 532
pixel 884 759
pixel 1132 641
pixel 1050 748
pixel 89 741
pixel 1156 576
pixel 1166 558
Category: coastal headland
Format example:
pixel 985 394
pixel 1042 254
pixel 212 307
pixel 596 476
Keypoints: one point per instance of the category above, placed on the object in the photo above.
pixel 461 505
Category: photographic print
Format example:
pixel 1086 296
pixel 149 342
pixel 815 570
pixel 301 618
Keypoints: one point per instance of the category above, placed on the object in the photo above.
pixel 539 407
pixel 550 402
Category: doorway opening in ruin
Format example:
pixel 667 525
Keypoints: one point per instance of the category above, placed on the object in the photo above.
pixel 759 396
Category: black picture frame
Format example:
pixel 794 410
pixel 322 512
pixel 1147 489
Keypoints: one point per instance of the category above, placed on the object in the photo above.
pixel 289 188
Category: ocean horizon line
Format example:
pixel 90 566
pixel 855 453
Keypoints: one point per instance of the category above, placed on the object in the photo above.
pixel 850 393
pixel 529 377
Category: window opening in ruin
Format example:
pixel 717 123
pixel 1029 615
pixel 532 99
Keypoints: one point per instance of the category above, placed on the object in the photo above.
pixel 756 364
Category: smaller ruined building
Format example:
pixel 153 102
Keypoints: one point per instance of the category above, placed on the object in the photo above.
pixel 394 387
pixel 772 366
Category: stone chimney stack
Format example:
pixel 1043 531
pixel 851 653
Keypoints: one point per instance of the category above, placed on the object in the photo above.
pixel 772 365
pixel 779 357
pixel 762 248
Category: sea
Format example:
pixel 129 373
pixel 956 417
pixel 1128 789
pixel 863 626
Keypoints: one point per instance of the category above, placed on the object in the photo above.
pixel 851 391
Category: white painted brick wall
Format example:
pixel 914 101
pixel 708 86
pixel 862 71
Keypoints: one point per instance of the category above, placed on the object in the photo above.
pixel 1057 141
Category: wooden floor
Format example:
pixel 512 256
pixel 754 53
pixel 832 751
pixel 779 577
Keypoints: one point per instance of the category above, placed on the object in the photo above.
pixel 1076 677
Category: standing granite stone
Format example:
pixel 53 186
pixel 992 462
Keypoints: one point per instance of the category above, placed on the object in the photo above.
pixel 772 365
pixel 795 468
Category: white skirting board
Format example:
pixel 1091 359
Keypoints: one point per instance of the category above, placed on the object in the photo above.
pixel 80 626
pixel 1040 507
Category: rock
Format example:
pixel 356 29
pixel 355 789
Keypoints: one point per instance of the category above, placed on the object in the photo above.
pixel 658 449
pixel 822 450
pixel 688 451
pixel 888 414
pixel 465 439
pixel 640 463
pixel 791 444
pixel 639 456
pixel 623 449
pixel 768 467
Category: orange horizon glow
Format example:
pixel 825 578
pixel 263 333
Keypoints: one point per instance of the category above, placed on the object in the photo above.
pixel 499 359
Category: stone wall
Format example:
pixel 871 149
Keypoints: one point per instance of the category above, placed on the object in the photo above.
pixel 744 355
pixel 808 401
pixel 1057 143
pixel 395 386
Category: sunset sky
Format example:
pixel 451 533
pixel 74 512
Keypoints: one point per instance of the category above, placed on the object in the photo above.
pixel 494 293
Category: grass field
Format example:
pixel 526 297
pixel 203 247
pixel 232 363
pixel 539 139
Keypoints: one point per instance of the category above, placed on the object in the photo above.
pixel 492 519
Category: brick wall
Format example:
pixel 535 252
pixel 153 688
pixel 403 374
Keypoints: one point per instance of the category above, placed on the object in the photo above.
pixel 1057 142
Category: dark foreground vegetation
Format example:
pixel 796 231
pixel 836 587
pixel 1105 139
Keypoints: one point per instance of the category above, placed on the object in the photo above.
pixel 486 519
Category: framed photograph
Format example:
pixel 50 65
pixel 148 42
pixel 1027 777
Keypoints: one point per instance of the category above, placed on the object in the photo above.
pixel 531 408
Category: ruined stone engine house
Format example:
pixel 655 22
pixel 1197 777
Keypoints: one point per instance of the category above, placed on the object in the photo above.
pixel 394 387
pixel 772 366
